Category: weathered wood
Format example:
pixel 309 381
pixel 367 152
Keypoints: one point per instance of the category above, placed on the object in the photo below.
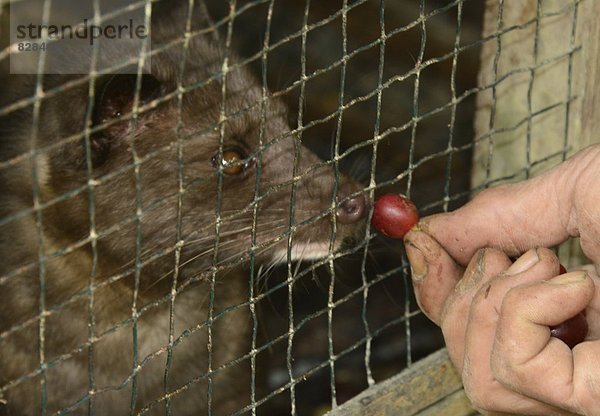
pixel 530 72
pixel 589 37
pixel 411 392
pixel 540 104
pixel 455 404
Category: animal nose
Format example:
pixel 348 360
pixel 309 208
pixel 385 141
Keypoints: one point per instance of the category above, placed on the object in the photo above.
pixel 351 210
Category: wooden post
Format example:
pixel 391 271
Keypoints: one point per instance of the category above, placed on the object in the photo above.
pixel 430 387
pixel 589 36
pixel 526 118
pixel 540 73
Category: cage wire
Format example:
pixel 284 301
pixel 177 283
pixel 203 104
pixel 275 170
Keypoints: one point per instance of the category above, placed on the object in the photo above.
pixel 384 91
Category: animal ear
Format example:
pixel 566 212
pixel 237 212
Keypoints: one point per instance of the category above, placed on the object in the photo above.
pixel 113 105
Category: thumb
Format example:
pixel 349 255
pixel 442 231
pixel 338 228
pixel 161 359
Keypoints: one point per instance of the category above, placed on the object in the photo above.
pixel 514 218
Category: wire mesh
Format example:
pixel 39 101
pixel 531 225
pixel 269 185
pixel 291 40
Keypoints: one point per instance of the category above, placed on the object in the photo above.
pixel 150 279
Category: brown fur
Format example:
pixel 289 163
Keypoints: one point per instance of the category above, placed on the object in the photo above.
pixel 70 348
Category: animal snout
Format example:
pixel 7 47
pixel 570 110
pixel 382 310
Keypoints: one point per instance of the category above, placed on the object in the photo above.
pixel 351 208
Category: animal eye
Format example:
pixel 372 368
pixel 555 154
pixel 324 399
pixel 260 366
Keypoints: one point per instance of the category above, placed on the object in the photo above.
pixel 233 162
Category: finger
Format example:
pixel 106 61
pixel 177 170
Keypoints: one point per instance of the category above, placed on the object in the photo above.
pixel 586 216
pixel 508 217
pixel 434 273
pixel 480 383
pixel 484 266
pixel 523 348
pixel 592 312
pixel 517 217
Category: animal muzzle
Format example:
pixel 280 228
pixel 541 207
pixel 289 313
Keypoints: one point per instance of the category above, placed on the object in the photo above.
pixel 351 209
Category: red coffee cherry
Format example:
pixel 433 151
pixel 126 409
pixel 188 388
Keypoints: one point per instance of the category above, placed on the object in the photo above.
pixel 572 331
pixel 394 215
pixel 562 269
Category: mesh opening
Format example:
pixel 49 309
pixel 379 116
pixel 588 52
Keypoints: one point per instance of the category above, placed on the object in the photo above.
pixel 172 240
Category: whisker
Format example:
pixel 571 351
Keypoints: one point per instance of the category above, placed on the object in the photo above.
pixel 264 276
pixel 225 244
pixel 232 232
pixel 195 257
pixel 151 250
pixel 302 253
pixel 360 168
pixel 318 281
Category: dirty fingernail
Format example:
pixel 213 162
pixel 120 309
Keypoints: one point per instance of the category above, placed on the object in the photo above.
pixel 526 261
pixel 418 265
pixel 474 273
pixel 568 278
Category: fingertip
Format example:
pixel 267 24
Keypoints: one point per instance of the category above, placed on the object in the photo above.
pixel 417 261
pixel 552 301
pixel 549 257
pixel 532 258
pixel 571 278
pixel 434 272
pixel 579 284
pixel 486 264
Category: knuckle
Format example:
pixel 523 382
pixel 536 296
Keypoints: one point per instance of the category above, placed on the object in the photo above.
pixel 454 314
pixel 490 195
pixel 479 399
pixel 512 300
pixel 483 294
pixel 484 305
pixel 501 369
pixel 509 373
pixel 478 388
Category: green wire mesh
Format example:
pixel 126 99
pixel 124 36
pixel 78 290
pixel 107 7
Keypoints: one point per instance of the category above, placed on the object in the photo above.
pixel 382 90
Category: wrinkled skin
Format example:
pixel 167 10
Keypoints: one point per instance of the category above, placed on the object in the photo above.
pixel 495 314
pixel 108 263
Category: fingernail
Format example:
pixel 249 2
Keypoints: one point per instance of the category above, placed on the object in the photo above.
pixel 569 278
pixel 423 224
pixel 474 272
pixel 418 266
pixel 526 261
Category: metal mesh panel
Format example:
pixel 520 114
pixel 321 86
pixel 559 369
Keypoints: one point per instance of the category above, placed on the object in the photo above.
pixel 280 305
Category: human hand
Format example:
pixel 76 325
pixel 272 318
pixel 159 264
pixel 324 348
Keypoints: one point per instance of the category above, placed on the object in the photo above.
pixel 495 316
